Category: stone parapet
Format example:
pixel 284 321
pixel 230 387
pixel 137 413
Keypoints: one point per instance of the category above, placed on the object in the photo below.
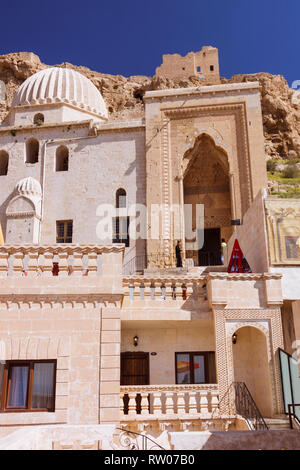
pixel 36 266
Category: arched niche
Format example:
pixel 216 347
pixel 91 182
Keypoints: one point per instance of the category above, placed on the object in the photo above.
pixel 32 151
pixel 4 159
pixel 251 365
pixel 23 221
pixel 62 158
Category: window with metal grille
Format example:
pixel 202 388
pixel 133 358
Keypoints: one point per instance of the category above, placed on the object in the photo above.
pixel 121 230
pixel 292 246
pixel 64 231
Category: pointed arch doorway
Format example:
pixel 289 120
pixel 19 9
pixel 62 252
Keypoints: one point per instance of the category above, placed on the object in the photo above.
pixel 206 181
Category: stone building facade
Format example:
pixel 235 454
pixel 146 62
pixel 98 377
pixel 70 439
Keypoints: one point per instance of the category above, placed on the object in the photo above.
pixel 136 340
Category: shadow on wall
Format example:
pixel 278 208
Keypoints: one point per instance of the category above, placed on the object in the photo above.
pixel 237 440
pixel 3 208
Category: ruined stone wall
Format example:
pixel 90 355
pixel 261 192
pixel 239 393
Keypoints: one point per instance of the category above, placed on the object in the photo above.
pixel 204 64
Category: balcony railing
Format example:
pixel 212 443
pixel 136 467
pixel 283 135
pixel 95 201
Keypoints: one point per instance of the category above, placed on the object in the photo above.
pixel 165 288
pixel 168 400
pixel 54 260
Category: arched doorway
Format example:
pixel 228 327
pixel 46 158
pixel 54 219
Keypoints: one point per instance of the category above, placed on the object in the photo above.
pixel 206 181
pixel 250 365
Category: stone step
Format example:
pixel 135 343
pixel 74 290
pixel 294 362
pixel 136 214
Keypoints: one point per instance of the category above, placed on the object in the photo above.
pixel 166 271
pixel 277 423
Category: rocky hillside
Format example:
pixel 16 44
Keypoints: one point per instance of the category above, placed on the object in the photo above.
pixel 124 98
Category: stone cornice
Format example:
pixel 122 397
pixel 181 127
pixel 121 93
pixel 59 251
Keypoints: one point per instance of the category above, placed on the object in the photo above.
pixel 195 110
pixel 63 300
pixel 202 90
pixel 20 215
pixel 123 126
pixel 9 128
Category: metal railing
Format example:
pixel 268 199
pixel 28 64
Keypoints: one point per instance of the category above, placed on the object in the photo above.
pixel 293 414
pixel 290 382
pixel 239 401
pixel 130 440
pixel 138 263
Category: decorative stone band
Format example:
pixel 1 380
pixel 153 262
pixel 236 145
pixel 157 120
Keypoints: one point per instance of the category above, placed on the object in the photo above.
pixel 167 400
pixel 21 215
pixel 70 259
pixel 74 301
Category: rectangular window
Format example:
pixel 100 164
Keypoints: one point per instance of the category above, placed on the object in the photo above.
pixel 195 367
pixel 292 246
pixel 27 386
pixel 64 231
pixel 212 68
pixel 121 230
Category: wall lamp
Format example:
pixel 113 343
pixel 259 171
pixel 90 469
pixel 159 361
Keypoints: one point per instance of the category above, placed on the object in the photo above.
pixel 234 338
pixel 135 340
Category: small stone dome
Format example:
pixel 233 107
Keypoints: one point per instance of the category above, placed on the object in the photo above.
pixel 29 187
pixel 58 85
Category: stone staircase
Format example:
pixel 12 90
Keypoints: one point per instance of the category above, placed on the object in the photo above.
pixel 279 423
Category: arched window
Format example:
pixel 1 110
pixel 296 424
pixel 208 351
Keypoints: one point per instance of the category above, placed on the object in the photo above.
pixel 32 151
pixel 121 224
pixel 62 159
pixel 121 198
pixel 38 119
pixel 3 163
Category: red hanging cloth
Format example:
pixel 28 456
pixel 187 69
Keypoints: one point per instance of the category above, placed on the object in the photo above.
pixel 238 262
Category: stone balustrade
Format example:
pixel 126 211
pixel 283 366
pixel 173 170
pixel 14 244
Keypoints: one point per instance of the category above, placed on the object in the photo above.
pixel 168 400
pixel 165 288
pixel 57 260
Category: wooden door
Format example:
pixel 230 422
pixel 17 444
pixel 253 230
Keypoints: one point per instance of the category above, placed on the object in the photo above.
pixel 134 371
pixel 135 368
pixel 210 253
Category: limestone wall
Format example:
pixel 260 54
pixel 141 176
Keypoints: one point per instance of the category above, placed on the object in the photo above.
pixel 73 319
pixel 98 166
pixel 252 237
pixel 166 338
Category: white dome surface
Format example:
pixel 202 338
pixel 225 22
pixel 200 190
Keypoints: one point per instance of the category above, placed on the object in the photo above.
pixel 57 85
pixel 29 187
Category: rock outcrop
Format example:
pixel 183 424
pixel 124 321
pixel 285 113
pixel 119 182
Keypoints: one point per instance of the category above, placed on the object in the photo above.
pixel 124 97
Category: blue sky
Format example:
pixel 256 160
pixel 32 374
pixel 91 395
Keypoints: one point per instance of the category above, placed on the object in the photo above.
pixel 129 37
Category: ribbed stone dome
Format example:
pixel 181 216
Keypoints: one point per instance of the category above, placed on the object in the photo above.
pixel 57 85
pixel 29 187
